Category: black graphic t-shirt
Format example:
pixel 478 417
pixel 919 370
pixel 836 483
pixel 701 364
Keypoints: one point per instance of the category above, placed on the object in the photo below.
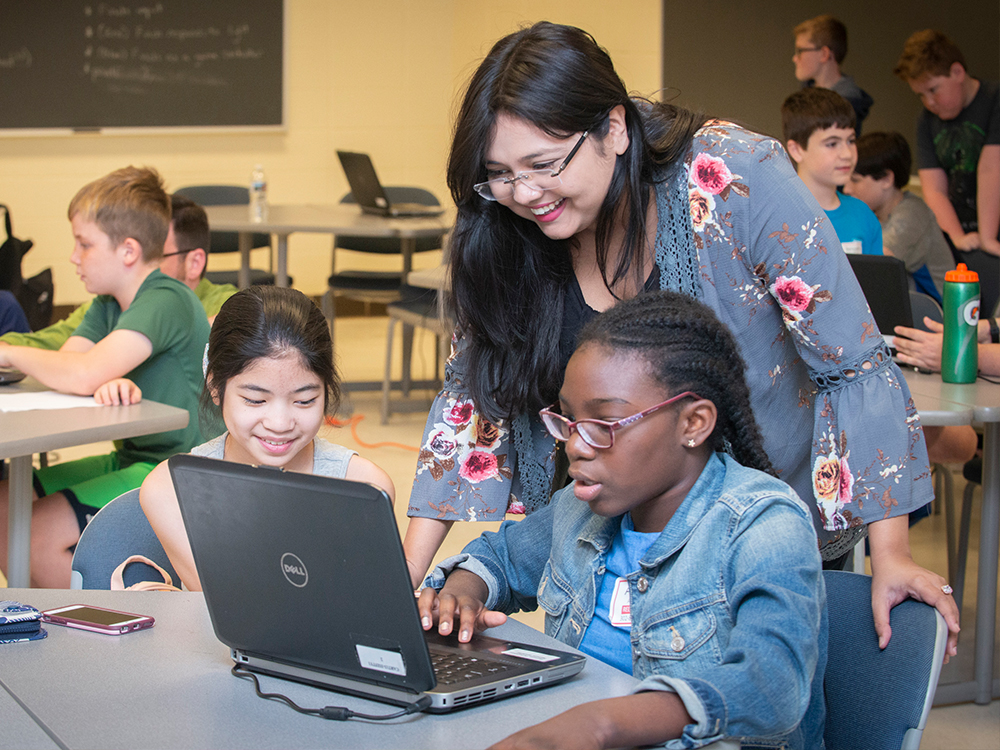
pixel 955 146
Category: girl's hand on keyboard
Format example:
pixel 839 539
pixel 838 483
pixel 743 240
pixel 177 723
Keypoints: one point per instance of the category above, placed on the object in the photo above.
pixel 462 599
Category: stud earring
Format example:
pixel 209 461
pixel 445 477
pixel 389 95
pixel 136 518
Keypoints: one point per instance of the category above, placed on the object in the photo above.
pixel 690 443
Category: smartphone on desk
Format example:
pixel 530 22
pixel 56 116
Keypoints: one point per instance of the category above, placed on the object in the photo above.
pixel 97 619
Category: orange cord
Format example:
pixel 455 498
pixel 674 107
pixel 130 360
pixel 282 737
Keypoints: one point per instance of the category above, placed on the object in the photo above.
pixel 353 423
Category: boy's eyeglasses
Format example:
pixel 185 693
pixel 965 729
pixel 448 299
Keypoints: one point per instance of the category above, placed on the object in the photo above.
pixel 179 252
pixel 799 51
pixel 502 188
pixel 596 432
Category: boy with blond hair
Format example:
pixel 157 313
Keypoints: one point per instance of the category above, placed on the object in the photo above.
pixel 820 49
pixel 185 258
pixel 818 126
pixel 143 326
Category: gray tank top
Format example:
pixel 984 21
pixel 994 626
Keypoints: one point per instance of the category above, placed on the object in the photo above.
pixel 329 459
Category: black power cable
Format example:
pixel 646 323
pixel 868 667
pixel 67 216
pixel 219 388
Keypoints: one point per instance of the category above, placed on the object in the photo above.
pixel 335 713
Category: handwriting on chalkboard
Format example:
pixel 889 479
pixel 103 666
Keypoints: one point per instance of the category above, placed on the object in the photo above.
pixel 80 63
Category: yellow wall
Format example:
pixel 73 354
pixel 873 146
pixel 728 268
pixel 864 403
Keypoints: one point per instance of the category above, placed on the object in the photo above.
pixel 380 76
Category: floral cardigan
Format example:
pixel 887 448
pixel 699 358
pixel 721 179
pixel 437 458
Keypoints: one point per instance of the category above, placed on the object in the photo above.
pixel 837 418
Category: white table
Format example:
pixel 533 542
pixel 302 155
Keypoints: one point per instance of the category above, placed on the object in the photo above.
pixel 984 401
pixel 346 219
pixel 170 687
pixel 25 433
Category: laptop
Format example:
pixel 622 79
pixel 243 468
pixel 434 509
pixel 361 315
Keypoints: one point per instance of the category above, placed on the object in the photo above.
pixel 369 193
pixel 885 285
pixel 305 579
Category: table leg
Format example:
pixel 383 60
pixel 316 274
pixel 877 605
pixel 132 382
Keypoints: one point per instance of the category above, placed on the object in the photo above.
pixel 989 550
pixel 243 278
pixel 407 247
pixel 19 519
pixel 282 275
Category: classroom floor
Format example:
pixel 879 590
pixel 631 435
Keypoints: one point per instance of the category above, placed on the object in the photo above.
pixel 361 354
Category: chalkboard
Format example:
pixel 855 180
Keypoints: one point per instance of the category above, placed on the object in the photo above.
pixel 89 65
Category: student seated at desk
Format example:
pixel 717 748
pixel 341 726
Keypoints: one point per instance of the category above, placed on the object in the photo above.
pixel 954 443
pixel 185 258
pixel 144 325
pixel 693 569
pixel 818 127
pixel 270 374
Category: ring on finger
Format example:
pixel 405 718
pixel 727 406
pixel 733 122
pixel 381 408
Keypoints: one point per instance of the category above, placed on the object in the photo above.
pixel 947 589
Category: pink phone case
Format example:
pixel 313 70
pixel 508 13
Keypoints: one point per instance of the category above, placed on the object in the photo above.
pixel 98 619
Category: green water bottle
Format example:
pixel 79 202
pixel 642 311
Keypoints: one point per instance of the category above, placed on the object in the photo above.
pixel 959 352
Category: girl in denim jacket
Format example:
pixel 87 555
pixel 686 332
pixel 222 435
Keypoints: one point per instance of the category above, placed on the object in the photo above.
pixel 674 554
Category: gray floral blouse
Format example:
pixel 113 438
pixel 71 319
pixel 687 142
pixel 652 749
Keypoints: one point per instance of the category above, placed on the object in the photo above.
pixel 837 418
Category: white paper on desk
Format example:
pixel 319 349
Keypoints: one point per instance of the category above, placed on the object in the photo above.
pixel 43 400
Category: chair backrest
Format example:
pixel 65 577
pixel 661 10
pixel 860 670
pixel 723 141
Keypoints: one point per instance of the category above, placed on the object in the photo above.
pixel 391 245
pixel 924 305
pixel 224 195
pixel 119 530
pixel 878 698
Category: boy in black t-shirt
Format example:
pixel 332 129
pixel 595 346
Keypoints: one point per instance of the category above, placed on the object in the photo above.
pixel 958 152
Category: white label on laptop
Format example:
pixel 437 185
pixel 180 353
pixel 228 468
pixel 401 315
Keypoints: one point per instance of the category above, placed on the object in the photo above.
pixel 890 341
pixel 523 653
pixel 380 660
pixel 852 248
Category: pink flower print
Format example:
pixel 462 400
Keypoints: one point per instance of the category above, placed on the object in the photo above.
pixel 459 414
pixel 846 481
pixel 516 508
pixel 792 292
pixel 710 173
pixel 478 466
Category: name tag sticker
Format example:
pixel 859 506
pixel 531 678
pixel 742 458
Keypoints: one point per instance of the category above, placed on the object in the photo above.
pixel 852 247
pixel 380 660
pixel 620 613
pixel 523 653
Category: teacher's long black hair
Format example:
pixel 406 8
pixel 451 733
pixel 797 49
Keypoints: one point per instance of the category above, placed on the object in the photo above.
pixel 508 278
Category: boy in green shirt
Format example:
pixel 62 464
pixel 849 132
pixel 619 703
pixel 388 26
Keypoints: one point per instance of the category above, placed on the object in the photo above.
pixel 188 230
pixel 144 326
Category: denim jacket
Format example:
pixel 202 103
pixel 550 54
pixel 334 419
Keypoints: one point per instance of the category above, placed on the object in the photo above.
pixel 728 607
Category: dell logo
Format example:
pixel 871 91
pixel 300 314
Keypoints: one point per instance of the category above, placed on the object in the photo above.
pixel 294 570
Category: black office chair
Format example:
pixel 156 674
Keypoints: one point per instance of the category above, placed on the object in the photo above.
pixel 924 306
pixel 376 286
pixel 229 242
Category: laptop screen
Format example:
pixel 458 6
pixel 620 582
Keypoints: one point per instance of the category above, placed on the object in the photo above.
pixel 303 569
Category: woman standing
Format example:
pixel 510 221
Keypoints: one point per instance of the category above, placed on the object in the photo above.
pixel 571 196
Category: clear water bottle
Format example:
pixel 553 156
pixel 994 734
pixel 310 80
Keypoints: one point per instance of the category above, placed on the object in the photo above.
pixel 258 195
pixel 959 350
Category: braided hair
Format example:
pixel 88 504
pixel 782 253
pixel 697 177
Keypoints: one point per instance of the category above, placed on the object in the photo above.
pixel 688 349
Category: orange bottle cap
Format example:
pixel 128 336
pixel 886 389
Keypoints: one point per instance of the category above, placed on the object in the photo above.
pixel 962 274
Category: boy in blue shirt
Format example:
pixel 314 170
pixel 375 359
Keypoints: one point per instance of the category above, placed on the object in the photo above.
pixel 818 126
pixel 144 326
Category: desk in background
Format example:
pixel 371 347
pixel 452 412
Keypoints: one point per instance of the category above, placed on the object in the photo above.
pixel 170 687
pixel 25 433
pixel 346 219
pixel 983 399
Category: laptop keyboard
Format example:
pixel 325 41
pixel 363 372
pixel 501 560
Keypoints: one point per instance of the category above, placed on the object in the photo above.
pixel 450 668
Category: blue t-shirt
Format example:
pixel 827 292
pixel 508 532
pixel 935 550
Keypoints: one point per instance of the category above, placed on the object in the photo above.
pixel 603 640
pixel 854 222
